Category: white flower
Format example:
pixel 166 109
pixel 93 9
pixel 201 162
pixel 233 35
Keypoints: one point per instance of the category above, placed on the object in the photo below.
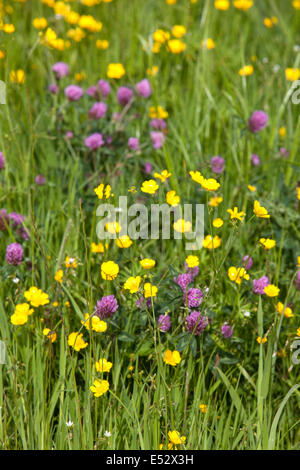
pixel 16 280
pixel 107 434
pixel 247 314
pixel 69 423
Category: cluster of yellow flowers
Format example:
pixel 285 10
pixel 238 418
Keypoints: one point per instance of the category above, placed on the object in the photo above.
pixel 174 45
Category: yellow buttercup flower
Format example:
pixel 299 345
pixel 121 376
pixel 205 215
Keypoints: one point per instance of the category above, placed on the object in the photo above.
pixel 298 192
pixel 261 340
pixel 163 176
pixel 172 357
pixel 158 113
pixel 270 22
pixel 251 188
pixel 222 4
pixel 215 201
pixel 271 290
pixel 17 76
pixel 99 387
pixel 260 211
pixel 267 243
pixel 113 227
pixel 182 226
pixel 298 330
pixel 147 263
pixel 97 248
pixel 8 28
pixel 76 34
pixel 282 132
pixel 21 314
pixel 192 261
pixel 71 262
pixel 76 342
pixel 102 191
pixel 176 46
pixel 40 23
pixel 36 297
pixel 124 241
pixel 50 334
pixel 103 365
pixel 287 311
pixel 217 223
pixel 238 274
pixel 133 284
pixel 292 74
pixel 115 70
pixel 94 322
pixel 149 187
pixel 88 22
pixel 243 4
pixel 208 44
pixel 296 4
pixel 246 71
pixel 109 270
pixel 211 243
pixel 149 290
pixel 235 214
pixel 102 44
pixel 178 31
pixel 176 438
pixel 152 71
pixel 160 36
pixel 209 184
pixel 203 408
pixel 172 198
pixel 59 276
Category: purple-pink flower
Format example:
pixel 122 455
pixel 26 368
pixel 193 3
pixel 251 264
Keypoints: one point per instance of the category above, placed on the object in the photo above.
pixel 106 307
pixel 226 330
pixel 196 323
pixel 40 180
pixel 247 262
pixel 98 110
pixel 133 143
pixel 164 323
pixel 193 297
pixel 104 88
pixel 144 88
pixel 255 160
pixel 2 161
pixel 124 95
pixel 297 281
pixel 14 254
pixel 158 124
pixel 94 141
pixel 53 88
pixel 73 92
pixel 260 284
pixel 61 69
pixel 257 121
pixel 147 168
pixel 183 280
pixel 217 164
pixel 158 139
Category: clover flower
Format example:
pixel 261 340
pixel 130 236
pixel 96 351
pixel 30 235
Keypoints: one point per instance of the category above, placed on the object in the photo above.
pixel 14 254
pixel 106 307
pixel 196 323
pixel 164 323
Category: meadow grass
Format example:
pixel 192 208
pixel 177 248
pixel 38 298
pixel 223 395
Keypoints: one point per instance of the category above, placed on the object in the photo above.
pixel 251 390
